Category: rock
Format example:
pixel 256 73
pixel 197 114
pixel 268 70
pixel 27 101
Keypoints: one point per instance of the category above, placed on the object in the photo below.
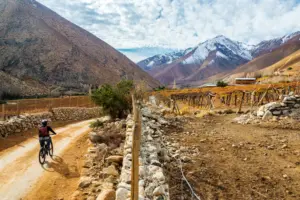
pixel 297 106
pixel 107 195
pixel 122 194
pixel 285 176
pixel 111 170
pixel 152 100
pixel 284 146
pixel 277 112
pixel 271 106
pixel 75 195
pixel 125 177
pixel 94 137
pixel 268 115
pixel 159 176
pixel 107 185
pixel 105 119
pixel 116 159
pixel 160 190
pixel 185 159
pixel 85 182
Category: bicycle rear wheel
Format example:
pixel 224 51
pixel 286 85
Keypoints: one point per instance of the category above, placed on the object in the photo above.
pixel 42 156
pixel 51 149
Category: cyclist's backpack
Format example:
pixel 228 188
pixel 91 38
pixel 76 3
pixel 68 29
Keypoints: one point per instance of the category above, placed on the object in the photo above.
pixel 43 131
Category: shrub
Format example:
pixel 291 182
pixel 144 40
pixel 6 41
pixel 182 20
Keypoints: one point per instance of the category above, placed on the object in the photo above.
pixel 115 100
pixel 290 68
pixel 2 102
pixel 222 84
pixel 159 88
pixel 96 124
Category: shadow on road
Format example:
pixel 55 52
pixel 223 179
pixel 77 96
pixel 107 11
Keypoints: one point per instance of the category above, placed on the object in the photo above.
pixel 57 164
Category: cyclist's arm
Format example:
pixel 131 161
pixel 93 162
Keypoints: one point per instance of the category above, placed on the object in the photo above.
pixel 51 130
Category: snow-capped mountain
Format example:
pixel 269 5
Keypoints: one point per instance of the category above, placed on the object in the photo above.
pixel 269 45
pixel 222 46
pixel 162 59
pixel 219 55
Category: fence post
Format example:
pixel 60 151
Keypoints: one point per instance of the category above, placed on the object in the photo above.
pixel 18 108
pixel 3 112
pixel 135 151
pixel 240 107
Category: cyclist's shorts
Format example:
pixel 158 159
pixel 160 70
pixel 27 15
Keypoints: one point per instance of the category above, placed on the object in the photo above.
pixel 44 138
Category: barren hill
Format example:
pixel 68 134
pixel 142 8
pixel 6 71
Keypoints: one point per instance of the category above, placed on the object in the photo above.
pixel 38 44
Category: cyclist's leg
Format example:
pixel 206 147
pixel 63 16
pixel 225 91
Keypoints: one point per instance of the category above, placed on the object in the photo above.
pixel 48 143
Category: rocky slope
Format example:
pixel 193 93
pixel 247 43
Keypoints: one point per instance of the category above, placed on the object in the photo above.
pixel 220 57
pixel 38 44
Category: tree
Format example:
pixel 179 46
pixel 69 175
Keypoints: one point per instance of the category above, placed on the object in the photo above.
pixel 222 84
pixel 115 100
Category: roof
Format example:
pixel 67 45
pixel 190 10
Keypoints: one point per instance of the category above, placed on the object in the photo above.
pixel 245 79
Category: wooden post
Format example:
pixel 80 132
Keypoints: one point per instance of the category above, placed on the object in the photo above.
pixel 235 99
pixel 18 108
pixel 3 112
pixel 241 103
pixel 135 153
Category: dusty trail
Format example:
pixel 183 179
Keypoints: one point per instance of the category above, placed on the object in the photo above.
pixel 19 166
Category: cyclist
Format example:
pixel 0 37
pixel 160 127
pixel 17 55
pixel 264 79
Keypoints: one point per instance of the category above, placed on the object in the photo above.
pixel 44 135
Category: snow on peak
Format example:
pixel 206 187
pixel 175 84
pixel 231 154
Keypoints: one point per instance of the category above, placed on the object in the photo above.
pixel 219 54
pixel 203 49
pixel 289 36
pixel 150 64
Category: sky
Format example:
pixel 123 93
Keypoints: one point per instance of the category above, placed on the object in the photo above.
pixel 142 28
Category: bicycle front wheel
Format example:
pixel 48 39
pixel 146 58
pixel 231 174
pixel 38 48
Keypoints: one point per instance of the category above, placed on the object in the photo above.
pixel 42 156
pixel 51 149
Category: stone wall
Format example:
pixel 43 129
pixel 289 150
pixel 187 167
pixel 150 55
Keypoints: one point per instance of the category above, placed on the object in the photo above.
pixel 75 113
pixel 285 108
pixel 22 123
pixel 25 122
pixel 152 181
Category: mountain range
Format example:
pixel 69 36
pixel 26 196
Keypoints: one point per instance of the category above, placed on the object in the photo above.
pixel 41 52
pixel 219 58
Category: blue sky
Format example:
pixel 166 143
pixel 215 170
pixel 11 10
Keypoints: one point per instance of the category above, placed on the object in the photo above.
pixel 155 26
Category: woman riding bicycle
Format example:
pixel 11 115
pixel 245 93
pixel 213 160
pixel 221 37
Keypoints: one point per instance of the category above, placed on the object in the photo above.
pixel 44 135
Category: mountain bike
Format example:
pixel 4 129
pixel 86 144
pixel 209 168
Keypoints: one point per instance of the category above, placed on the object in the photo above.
pixel 44 151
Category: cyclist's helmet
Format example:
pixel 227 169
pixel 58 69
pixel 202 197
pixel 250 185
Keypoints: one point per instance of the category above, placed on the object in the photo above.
pixel 44 122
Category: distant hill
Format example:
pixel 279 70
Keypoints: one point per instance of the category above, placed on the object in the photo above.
pixel 40 49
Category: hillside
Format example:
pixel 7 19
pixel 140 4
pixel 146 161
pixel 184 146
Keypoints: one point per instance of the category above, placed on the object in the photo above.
pixel 38 44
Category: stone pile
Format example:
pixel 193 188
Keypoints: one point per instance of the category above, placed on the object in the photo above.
pixel 102 166
pixel 28 121
pixel 285 108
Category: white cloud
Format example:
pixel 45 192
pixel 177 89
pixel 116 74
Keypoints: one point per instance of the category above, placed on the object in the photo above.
pixel 180 23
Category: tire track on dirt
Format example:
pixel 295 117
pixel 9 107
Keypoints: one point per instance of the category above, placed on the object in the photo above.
pixel 19 166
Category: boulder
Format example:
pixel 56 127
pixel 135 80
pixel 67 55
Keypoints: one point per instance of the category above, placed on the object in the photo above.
pixel 94 137
pixel 268 115
pixel 115 159
pixel 122 194
pixel 111 170
pixel 160 190
pixel 107 195
pixel 85 182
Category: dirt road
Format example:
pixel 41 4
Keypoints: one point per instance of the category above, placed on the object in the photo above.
pixel 19 166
